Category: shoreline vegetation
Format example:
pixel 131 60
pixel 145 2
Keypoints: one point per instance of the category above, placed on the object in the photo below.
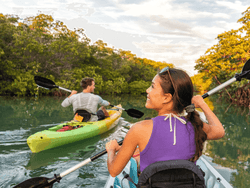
pixel 39 45
pixel 225 59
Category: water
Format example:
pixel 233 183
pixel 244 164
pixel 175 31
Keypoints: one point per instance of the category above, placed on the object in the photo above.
pixel 21 117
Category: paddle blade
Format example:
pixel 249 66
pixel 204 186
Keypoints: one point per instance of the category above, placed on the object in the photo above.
pixel 37 182
pixel 134 113
pixel 44 82
pixel 245 68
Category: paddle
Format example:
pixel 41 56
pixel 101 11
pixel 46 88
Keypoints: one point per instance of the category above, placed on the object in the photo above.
pixel 39 182
pixel 49 84
pixel 244 74
pixel 131 112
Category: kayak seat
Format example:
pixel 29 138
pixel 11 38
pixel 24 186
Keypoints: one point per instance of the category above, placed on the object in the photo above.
pixel 172 174
pixel 85 114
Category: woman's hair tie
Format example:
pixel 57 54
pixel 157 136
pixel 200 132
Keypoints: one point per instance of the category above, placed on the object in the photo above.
pixel 190 108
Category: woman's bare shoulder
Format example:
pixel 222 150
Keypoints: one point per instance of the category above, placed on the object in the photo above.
pixel 141 125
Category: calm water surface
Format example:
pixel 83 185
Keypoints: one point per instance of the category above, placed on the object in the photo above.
pixel 21 117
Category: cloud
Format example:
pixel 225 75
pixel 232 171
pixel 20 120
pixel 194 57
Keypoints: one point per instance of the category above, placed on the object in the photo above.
pixel 208 32
pixel 168 9
pixel 118 39
pixel 237 5
pixel 180 53
pixel 125 26
pixel 177 27
pixel 227 26
pixel 170 24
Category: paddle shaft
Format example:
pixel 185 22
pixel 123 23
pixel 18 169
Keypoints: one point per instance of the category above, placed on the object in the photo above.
pixel 64 89
pixel 245 73
pixel 86 161
pixel 225 84
pixel 118 107
pixel 57 87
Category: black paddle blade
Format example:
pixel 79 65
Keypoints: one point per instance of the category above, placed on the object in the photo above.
pixel 134 113
pixel 44 82
pixel 245 68
pixel 38 182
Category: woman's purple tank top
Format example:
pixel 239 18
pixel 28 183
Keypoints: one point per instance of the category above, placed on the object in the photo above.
pixel 168 142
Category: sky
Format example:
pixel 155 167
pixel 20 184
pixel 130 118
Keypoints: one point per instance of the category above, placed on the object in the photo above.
pixel 173 31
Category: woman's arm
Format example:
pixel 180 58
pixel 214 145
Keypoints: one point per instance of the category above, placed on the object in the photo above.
pixel 214 128
pixel 117 162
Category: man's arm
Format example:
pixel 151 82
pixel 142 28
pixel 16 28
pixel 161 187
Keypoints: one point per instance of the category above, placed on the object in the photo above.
pixel 103 102
pixel 67 101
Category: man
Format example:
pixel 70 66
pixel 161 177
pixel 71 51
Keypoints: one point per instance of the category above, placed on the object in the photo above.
pixel 87 101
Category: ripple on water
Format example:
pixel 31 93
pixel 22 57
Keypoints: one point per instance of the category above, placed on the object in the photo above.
pixel 20 164
pixel 13 141
pixel 12 175
pixel 13 134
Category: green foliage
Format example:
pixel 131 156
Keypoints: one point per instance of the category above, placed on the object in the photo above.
pixel 222 61
pixel 42 46
pixel 115 86
pixel 138 87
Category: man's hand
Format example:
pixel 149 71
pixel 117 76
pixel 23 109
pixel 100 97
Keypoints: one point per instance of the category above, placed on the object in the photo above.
pixel 73 92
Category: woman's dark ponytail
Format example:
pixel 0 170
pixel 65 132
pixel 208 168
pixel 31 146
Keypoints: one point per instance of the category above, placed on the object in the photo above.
pixel 200 135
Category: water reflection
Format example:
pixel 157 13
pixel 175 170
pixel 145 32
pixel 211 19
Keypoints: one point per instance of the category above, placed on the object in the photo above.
pixel 74 151
pixel 28 113
pixel 34 112
pixel 233 150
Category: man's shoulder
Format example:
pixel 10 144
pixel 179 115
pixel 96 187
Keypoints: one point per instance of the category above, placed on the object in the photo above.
pixel 95 95
pixel 75 95
pixel 92 95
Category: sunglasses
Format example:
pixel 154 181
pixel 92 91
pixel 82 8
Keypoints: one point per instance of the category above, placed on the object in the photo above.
pixel 164 70
pixel 167 70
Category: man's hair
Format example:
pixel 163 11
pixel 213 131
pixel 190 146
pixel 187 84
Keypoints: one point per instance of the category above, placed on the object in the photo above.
pixel 86 82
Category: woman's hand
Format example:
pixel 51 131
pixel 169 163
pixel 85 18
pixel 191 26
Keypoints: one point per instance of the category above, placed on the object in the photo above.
pixel 213 128
pixel 112 145
pixel 198 101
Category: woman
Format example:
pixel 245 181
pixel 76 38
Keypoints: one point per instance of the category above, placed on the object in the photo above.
pixel 169 136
